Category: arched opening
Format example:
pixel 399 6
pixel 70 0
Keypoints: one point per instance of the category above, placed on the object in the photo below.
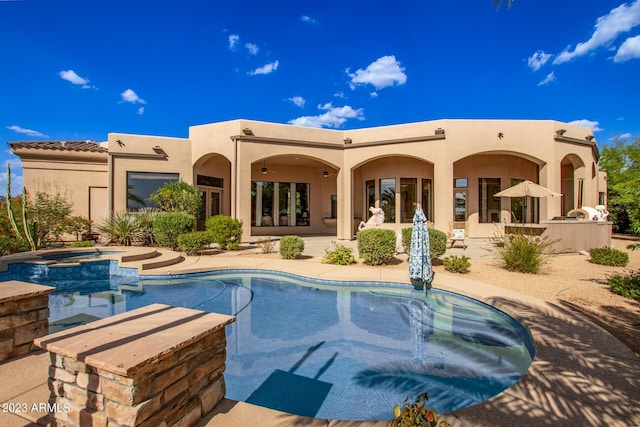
pixel 571 182
pixel 479 176
pixel 293 194
pixel 395 183
pixel 212 176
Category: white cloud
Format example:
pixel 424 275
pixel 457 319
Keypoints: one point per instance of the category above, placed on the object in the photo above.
pixel 594 126
pixel 297 100
pixel 265 69
pixel 140 111
pixel 538 59
pixel 252 48
pixel 381 73
pixel 334 117
pixel 550 78
pixel 234 39
pixel 339 95
pixel 373 94
pixel 619 20
pixel 628 50
pixel 28 132
pixel 308 20
pixel 130 96
pixel 625 136
pixel 71 76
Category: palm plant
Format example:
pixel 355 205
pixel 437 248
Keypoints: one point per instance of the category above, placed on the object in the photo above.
pixel 122 228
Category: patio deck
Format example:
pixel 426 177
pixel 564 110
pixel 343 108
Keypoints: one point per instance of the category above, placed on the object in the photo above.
pixel 581 375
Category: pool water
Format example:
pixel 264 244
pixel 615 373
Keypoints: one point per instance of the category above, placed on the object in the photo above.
pixel 330 350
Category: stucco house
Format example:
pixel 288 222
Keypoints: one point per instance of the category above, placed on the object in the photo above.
pixel 283 179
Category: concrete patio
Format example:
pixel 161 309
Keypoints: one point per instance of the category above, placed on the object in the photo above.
pixel 581 375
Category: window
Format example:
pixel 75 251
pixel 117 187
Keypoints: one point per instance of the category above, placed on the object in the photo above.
pixel 489 208
pixel 388 199
pixel 517 204
pixel 427 199
pixel 279 204
pixel 209 181
pixel 140 185
pixel 371 194
pixel 334 206
pixel 602 198
pixel 460 205
pixel 461 183
pixel 409 196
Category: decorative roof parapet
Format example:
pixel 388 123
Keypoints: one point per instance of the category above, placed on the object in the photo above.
pixel 589 141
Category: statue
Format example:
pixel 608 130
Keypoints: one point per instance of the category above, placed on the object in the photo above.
pixel 377 218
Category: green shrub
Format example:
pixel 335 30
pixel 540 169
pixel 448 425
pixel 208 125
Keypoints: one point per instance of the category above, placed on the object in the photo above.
pixel 82 244
pixel 168 226
pixel 626 285
pixel 10 245
pixel 523 253
pixel 376 245
pixel 456 264
pixel 225 231
pixel 121 228
pixel 178 196
pixel 437 242
pixel 340 255
pixel 291 247
pixel 194 242
pixel 609 256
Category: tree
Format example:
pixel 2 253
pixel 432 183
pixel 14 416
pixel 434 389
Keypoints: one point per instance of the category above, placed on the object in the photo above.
pixel 498 3
pixel 621 161
pixel 178 196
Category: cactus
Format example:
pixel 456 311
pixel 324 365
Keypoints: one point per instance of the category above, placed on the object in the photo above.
pixel 12 218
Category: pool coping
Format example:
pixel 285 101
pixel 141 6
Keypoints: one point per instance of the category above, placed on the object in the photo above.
pixel 581 374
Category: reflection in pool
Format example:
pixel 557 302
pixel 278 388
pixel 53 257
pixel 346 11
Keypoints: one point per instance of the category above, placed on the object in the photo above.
pixel 330 350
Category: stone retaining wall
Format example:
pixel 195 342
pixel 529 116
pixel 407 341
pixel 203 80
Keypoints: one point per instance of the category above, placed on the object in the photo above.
pixel 138 381
pixel 24 316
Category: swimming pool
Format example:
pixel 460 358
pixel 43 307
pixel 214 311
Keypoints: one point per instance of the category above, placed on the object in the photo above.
pixel 331 350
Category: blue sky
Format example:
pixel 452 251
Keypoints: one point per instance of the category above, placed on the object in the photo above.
pixel 76 69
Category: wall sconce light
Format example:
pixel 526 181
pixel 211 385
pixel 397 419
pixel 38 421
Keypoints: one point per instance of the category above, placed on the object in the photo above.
pixel 439 131
pixel 158 150
pixel 247 131
pixel 589 137
pixel 560 132
pixel 325 174
pixel 348 140
pixel 500 135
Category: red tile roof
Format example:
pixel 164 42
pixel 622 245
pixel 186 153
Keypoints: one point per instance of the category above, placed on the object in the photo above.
pixel 60 145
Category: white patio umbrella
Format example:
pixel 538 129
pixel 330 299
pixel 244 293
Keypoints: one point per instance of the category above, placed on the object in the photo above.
pixel 527 189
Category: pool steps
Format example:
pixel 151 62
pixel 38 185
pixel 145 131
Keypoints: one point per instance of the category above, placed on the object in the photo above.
pixel 141 258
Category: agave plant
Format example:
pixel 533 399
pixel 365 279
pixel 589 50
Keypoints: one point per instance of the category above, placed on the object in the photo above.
pixel 145 218
pixel 122 228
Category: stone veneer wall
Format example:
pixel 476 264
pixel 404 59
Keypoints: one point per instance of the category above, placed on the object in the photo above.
pixel 24 316
pixel 178 389
pixel 157 365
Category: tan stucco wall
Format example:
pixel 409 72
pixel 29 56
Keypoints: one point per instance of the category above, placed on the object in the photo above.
pixel 440 150
pixel 178 160
pixel 69 174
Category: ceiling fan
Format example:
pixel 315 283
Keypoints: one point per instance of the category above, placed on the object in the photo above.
pixel 326 173
pixel 264 170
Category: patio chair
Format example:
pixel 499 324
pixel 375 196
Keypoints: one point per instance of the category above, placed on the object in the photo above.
pixel 458 232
